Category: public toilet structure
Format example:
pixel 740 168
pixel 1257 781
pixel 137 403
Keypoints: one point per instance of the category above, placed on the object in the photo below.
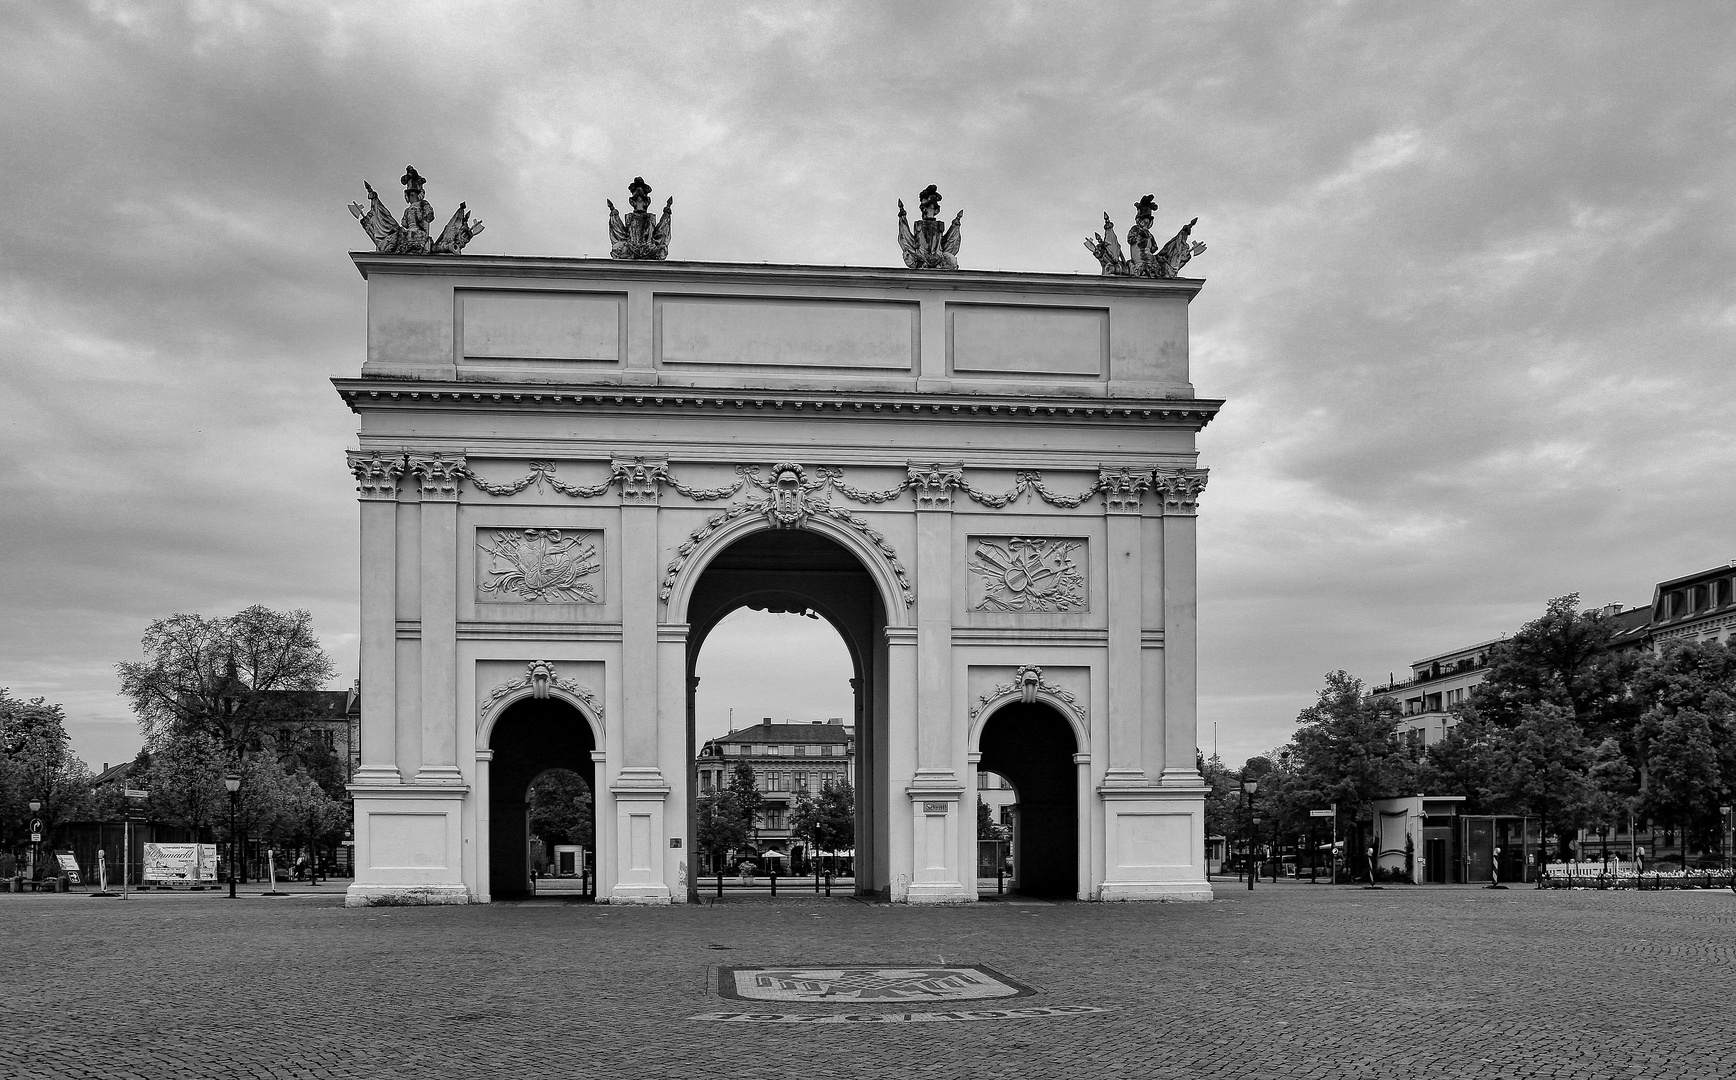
pixel 571 469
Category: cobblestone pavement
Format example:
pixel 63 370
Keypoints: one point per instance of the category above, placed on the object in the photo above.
pixel 1287 981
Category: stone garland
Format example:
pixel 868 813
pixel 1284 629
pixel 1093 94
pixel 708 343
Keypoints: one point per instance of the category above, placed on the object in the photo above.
pixel 1027 683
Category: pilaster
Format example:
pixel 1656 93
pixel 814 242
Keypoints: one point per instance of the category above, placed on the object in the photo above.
pixel 1181 491
pixel 439 478
pixel 377 486
pixel 1123 491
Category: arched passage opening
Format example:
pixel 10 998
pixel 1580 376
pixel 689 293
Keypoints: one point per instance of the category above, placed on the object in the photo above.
pixel 531 738
pixel 1032 746
pixel 802 572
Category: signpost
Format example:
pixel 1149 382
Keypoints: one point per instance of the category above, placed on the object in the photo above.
pixel 135 812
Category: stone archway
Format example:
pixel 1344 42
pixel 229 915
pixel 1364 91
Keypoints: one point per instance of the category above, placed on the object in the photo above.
pixel 1034 747
pixel 530 737
pixel 799 570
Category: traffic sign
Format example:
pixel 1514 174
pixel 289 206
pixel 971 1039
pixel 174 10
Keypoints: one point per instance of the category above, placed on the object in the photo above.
pixel 135 793
pixel 36 838
pixel 1321 813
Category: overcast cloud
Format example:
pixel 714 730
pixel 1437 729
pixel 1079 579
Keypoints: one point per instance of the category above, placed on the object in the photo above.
pixel 1469 286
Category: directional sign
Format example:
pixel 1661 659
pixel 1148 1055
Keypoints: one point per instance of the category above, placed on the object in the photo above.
pixel 1321 813
pixel 135 793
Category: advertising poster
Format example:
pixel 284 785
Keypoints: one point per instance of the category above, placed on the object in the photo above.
pixel 181 864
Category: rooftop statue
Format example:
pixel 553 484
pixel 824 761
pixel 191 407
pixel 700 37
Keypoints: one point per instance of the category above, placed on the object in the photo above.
pixel 641 236
pixel 1145 258
pixel 411 236
pixel 929 245
pixel 1108 250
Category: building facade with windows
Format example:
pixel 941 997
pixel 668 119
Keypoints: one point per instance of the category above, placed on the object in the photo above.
pixel 1698 607
pixel 789 760
pixel 1438 685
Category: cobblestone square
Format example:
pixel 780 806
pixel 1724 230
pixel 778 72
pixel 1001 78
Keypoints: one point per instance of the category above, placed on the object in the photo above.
pixel 1290 980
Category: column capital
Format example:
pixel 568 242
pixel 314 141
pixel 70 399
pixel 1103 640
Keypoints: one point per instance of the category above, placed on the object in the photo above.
pixel 438 475
pixel 933 485
pixel 1123 488
pixel 641 479
pixel 376 474
pixel 1181 490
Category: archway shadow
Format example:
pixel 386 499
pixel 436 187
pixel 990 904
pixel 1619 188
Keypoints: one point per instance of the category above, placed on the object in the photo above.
pixel 529 739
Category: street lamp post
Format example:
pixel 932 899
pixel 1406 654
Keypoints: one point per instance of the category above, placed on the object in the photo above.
pixel 1248 789
pixel 232 781
pixel 35 833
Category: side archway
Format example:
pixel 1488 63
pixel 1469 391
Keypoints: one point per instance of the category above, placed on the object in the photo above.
pixel 1033 746
pixel 530 737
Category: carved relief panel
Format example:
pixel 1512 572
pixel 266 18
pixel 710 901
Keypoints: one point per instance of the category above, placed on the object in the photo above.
pixel 539 566
pixel 1027 574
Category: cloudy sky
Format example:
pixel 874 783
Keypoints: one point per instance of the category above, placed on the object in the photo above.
pixel 1469 286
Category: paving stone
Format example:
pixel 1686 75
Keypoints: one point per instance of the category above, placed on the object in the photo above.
pixel 1290 981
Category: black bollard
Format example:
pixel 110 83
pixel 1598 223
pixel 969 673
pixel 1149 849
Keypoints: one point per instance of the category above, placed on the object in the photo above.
pixel 774 877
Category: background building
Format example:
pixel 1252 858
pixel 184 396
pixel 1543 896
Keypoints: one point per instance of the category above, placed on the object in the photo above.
pixel 789 760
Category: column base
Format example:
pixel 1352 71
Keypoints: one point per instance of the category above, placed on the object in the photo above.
pixel 940 892
pixel 405 895
pixel 439 775
pixel 1182 778
pixel 1154 891
pixel 376 776
pixel 647 895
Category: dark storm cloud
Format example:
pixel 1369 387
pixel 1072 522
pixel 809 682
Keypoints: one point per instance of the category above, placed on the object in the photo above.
pixel 1469 277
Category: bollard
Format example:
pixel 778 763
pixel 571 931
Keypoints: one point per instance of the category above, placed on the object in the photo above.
pixel 816 881
pixel 828 883
pixel 774 877
pixel 720 881
pixel 1000 880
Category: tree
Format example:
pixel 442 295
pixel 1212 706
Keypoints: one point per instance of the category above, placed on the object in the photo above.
pixel 986 827
pixel 749 802
pixel 37 763
pixel 1560 658
pixel 560 808
pixel 1548 771
pixel 1612 785
pixel 827 822
pixel 184 776
pixel 211 677
pixel 1345 748
pixel 1470 760
pixel 721 827
pixel 1685 784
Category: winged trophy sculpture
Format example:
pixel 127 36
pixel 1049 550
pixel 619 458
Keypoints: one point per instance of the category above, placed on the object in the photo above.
pixel 1144 258
pixel 410 236
pixel 929 245
pixel 640 236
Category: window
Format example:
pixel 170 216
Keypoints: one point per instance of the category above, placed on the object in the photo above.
pixel 774 817
pixel 1723 592
pixel 801 781
pixel 1702 598
pixel 772 750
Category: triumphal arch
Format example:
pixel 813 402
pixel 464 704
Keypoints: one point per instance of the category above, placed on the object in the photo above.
pixel 571 469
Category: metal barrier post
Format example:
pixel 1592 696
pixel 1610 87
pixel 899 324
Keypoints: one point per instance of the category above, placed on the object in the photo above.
pixel 828 883
pixel 774 877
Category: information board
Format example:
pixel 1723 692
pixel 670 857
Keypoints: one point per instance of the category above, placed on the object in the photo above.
pixel 191 864
pixel 69 866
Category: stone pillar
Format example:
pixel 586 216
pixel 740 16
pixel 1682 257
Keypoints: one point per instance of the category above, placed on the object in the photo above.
pixel 652 673
pixel 1181 491
pixel 439 478
pixel 1123 490
pixel 377 482
pixel 937 796
pixel 477 862
pixel 900 761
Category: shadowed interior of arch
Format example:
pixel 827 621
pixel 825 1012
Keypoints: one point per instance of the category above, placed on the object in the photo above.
pixel 794 570
pixel 530 738
pixel 1033 747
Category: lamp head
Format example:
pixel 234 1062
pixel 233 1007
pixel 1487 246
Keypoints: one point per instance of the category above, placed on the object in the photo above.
pixel 232 781
pixel 35 805
pixel 1250 786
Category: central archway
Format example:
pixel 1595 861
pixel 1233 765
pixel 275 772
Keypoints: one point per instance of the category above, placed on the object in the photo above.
pixel 794 570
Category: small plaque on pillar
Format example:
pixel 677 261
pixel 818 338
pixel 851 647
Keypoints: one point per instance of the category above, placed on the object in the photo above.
pixel 934 808
pixel 675 841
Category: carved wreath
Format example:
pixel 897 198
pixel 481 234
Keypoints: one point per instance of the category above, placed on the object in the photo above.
pixel 540 677
pixel 1028 683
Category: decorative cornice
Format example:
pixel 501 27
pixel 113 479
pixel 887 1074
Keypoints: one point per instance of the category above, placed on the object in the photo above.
pixel 1194 413
pixel 376 474
pixel 542 680
pixel 369 263
pixel 438 475
pixel 1028 684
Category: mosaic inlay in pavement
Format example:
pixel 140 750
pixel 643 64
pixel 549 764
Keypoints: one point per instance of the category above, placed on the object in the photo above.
pixel 868 982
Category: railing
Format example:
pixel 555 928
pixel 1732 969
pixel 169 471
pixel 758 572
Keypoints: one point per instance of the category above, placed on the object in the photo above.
pixel 1593 876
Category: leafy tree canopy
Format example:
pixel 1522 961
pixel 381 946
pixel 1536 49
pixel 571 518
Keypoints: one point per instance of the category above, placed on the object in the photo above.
pixel 560 808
